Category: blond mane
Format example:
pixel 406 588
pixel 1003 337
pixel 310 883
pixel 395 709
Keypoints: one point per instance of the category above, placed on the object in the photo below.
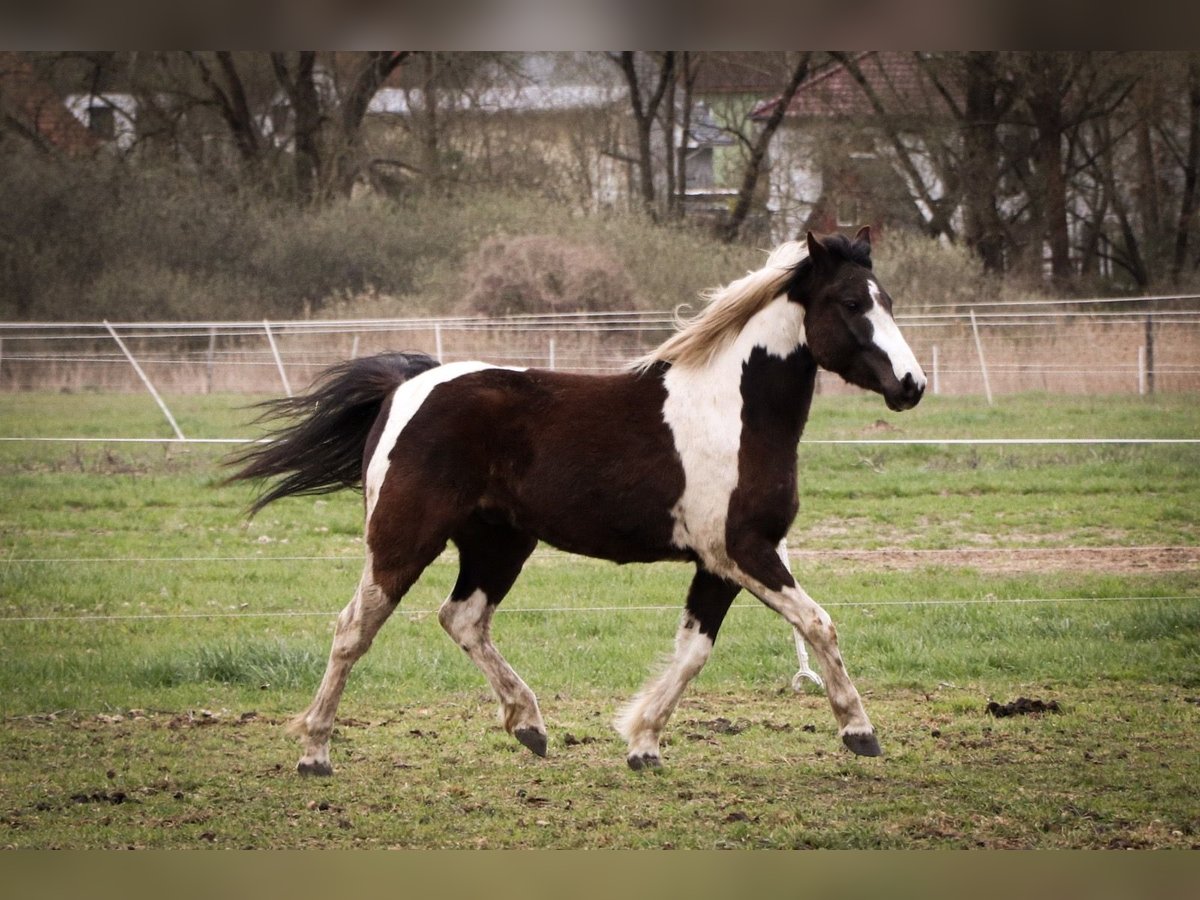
pixel 727 311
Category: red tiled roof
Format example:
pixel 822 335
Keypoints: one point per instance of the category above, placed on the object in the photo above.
pixel 894 75
pixel 749 72
pixel 36 106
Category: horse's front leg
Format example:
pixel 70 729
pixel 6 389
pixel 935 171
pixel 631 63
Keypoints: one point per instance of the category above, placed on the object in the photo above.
pixel 642 721
pixel 759 569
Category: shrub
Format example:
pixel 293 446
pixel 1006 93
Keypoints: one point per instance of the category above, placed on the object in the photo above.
pixel 543 273
pixel 919 271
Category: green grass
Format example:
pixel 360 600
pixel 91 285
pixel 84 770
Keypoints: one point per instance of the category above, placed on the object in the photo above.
pixel 154 720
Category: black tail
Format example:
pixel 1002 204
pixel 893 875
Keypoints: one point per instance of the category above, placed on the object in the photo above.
pixel 323 451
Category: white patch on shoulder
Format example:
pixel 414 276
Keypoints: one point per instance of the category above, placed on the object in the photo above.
pixel 406 400
pixel 887 337
pixel 704 412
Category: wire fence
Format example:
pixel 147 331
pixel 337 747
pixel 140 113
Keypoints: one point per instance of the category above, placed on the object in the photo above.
pixel 1089 346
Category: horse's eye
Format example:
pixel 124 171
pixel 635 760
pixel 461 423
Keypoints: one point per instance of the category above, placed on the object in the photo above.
pixel 852 306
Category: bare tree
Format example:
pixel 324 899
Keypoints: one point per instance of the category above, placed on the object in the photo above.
pixel 644 100
pixel 732 226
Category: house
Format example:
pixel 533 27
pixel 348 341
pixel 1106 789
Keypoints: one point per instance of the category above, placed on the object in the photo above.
pixel 33 110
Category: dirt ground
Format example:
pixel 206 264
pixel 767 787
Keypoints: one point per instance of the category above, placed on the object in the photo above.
pixel 1008 561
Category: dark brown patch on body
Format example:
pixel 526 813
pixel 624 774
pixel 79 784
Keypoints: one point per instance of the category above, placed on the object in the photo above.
pixel 586 464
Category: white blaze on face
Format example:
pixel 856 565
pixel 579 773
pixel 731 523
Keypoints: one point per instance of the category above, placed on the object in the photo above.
pixel 887 338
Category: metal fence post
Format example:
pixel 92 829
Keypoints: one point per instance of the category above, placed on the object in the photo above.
pixel 146 381
pixel 437 341
pixel 937 379
pixel 987 385
pixel 212 350
pixel 1149 354
pixel 551 354
pixel 287 387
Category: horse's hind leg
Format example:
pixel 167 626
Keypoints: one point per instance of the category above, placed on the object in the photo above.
pixel 383 584
pixel 357 626
pixel 806 671
pixel 490 558
pixel 641 722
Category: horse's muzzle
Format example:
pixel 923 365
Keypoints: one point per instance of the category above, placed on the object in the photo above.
pixel 908 396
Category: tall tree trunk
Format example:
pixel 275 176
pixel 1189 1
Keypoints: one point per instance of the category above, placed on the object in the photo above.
pixel 1191 172
pixel 378 65
pixel 668 128
pixel 301 89
pixel 1045 101
pixel 644 112
pixel 984 230
pixel 229 95
pixel 754 165
pixel 1132 259
pixel 688 77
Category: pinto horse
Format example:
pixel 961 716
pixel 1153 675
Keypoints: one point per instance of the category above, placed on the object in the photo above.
pixel 688 455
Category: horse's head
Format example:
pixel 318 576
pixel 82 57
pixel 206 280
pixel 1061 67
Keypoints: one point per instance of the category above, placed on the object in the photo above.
pixel 848 320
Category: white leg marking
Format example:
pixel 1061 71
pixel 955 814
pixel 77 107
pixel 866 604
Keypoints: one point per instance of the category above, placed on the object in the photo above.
pixel 642 720
pixel 468 622
pixel 813 623
pixel 357 625
pixel 806 670
pixel 887 337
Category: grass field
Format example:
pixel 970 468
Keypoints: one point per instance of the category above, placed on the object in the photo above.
pixel 152 643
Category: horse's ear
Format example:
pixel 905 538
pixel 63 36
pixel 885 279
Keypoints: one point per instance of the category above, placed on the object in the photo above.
pixel 817 251
pixel 864 235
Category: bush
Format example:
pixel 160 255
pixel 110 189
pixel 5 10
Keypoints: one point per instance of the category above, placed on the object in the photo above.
pixel 919 271
pixel 543 273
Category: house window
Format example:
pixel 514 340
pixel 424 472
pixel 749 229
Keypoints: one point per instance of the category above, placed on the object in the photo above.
pixel 700 175
pixel 849 211
pixel 101 121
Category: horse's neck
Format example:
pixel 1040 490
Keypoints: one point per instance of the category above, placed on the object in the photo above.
pixel 762 380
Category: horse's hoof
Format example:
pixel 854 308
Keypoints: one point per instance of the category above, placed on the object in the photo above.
pixel 862 744
pixel 640 761
pixel 314 767
pixel 533 739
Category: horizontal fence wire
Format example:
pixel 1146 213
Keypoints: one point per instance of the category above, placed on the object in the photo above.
pixel 518 610
pixel 1020 441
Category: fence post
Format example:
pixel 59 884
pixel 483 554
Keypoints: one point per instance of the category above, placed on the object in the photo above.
pixel 354 348
pixel 551 354
pixel 278 360
pixel 146 381
pixel 1149 354
pixel 1141 370
pixel 987 385
pixel 212 349
pixel 437 341
pixel 937 379
pixel 1 359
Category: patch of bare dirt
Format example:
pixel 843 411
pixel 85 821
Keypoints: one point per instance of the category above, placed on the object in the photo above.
pixel 1017 560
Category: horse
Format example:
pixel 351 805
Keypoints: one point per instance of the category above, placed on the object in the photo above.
pixel 688 454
